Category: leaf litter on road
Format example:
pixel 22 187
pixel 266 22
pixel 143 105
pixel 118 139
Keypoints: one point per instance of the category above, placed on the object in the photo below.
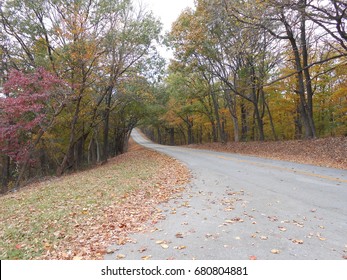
pixel 275 251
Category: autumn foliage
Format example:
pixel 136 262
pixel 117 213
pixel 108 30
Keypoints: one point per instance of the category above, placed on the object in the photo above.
pixel 27 110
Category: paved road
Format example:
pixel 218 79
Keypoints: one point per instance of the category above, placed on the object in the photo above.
pixel 241 207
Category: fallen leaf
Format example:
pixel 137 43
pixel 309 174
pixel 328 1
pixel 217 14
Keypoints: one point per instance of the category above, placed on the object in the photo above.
pixel 120 256
pixel 18 246
pixel 106 222
pixel 238 238
pixel 298 241
pixel 282 228
pixel 77 258
pixel 110 251
pixel 179 235
pixel 264 237
pixel 142 249
pixel 160 241
pixel 253 258
pixel 180 247
pixel 121 241
pixel 273 218
pixel 164 246
pixel 146 257
pixel 275 251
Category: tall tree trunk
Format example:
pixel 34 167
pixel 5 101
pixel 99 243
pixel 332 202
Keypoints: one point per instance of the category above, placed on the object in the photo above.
pixel 5 173
pixel 172 136
pixel 271 121
pixel 244 126
pixel 190 133
pixel 69 151
pixel 308 81
pixel 255 103
pixel 216 112
pixel 231 104
pixel 304 108
pixel 105 152
pixel 159 135
pixel 27 159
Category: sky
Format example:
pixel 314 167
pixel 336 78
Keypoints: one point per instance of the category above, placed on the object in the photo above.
pixel 167 11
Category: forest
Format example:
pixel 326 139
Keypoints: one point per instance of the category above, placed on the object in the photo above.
pixel 76 77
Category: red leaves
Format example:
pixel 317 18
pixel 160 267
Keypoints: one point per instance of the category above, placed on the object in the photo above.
pixel 25 109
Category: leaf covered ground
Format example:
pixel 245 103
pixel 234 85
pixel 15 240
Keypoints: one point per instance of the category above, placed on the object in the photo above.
pixel 329 152
pixel 78 216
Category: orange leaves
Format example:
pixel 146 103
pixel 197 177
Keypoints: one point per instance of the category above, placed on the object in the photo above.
pixel 330 152
pixel 74 226
pixel 275 251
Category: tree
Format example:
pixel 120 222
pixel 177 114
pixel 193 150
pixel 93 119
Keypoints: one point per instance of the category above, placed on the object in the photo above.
pixel 30 107
pixel 97 48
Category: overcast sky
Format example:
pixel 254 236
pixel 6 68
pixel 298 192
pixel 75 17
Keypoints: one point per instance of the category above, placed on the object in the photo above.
pixel 167 11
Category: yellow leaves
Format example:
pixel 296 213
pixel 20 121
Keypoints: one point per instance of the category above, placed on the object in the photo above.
pixel 160 242
pixel 275 251
pixel 120 257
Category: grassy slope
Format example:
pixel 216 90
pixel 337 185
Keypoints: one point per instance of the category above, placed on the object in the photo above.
pixel 78 216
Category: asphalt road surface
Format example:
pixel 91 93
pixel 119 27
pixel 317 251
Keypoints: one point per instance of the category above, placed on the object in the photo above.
pixel 240 207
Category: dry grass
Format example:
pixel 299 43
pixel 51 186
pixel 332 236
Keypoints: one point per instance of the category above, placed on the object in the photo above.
pixel 78 216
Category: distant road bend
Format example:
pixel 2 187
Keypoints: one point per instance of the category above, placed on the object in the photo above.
pixel 241 207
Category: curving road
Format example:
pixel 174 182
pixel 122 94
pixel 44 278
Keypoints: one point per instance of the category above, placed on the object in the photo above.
pixel 242 207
